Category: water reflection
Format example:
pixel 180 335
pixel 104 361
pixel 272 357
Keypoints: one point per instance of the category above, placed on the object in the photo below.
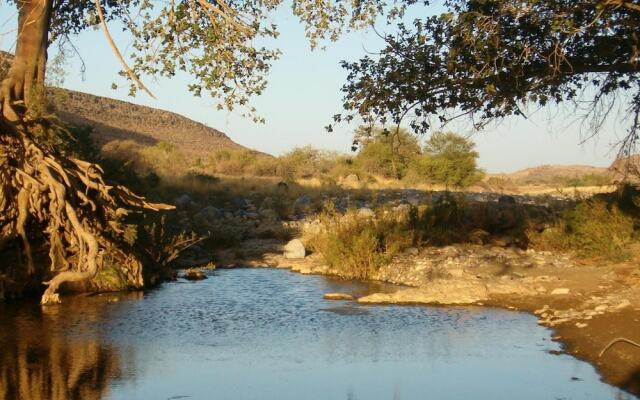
pixel 41 360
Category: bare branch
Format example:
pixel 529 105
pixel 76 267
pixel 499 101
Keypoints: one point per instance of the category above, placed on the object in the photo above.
pixel 116 51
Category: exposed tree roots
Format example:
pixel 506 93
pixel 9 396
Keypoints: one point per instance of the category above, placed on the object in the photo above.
pixel 68 200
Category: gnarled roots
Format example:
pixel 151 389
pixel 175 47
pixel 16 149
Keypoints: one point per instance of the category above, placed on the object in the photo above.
pixel 68 200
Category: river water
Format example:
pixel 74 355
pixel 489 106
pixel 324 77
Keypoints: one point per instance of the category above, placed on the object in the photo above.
pixel 268 334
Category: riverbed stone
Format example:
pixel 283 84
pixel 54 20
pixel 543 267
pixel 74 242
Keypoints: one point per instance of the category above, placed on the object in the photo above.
pixel 350 181
pixel 194 274
pixel 438 292
pixel 338 296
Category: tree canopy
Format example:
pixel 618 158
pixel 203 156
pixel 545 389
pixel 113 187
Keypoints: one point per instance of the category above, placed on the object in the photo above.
pixel 223 45
pixel 449 159
pixel 489 59
pixel 385 152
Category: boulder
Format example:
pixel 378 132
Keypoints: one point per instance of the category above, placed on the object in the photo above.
pixel 294 249
pixel 350 180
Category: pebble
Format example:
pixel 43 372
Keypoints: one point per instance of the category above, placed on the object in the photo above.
pixel 560 291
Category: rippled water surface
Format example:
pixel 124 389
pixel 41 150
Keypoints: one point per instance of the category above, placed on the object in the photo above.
pixel 268 334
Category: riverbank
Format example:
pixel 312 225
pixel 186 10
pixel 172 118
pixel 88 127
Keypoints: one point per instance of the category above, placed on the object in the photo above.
pixel 586 302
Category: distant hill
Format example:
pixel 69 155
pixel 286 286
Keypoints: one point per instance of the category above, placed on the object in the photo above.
pixel 119 120
pixel 555 174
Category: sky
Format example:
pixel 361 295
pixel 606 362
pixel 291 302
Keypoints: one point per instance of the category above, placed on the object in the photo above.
pixel 304 93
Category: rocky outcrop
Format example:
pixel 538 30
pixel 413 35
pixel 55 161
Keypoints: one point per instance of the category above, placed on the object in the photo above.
pixel 437 292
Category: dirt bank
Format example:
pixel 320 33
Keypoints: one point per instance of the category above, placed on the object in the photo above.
pixel 588 303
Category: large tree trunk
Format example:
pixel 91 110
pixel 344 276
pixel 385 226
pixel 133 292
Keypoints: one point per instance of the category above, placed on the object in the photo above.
pixel 24 82
pixel 44 191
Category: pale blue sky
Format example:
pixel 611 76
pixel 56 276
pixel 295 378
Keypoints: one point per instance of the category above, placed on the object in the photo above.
pixel 303 94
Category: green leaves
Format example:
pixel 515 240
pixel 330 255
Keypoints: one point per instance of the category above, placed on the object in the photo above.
pixel 225 46
pixel 487 60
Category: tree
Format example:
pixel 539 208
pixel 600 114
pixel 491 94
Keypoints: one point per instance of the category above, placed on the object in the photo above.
pixel 489 59
pixel 43 189
pixel 450 159
pixel 385 152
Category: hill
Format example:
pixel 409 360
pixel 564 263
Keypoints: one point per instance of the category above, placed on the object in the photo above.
pixel 119 120
pixel 555 174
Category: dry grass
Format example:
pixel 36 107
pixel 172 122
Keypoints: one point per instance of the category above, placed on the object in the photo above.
pixel 358 246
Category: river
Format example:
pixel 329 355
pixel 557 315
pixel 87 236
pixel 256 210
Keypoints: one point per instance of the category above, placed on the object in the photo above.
pixel 269 334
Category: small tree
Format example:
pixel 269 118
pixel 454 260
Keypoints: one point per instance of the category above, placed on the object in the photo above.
pixel 450 159
pixel 386 152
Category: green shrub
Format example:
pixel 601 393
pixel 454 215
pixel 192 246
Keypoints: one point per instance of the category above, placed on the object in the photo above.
pixel 589 180
pixel 356 246
pixel 386 153
pixel 593 228
pixel 448 159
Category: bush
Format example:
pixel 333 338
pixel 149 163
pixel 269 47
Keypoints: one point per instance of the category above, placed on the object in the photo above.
pixel 594 228
pixel 386 153
pixel 357 247
pixel 449 159
pixel 590 180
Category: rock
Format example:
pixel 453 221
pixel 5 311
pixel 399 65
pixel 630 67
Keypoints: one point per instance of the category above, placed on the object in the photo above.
pixel 240 203
pixel 268 214
pixel 207 216
pixel 194 274
pixel 478 236
pixel 183 201
pixel 601 307
pixel 438 292
pixel 337 296
pixel 502 241
pixel 294 249
pixel 623 304
pixel 267 203
pixel 506 200
pixel 302 203
pixel 581 325
pixel 283 187
pixel 557 291
pixel 366 213
pixel 412 251
pixel 456 272
pixel 350 180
